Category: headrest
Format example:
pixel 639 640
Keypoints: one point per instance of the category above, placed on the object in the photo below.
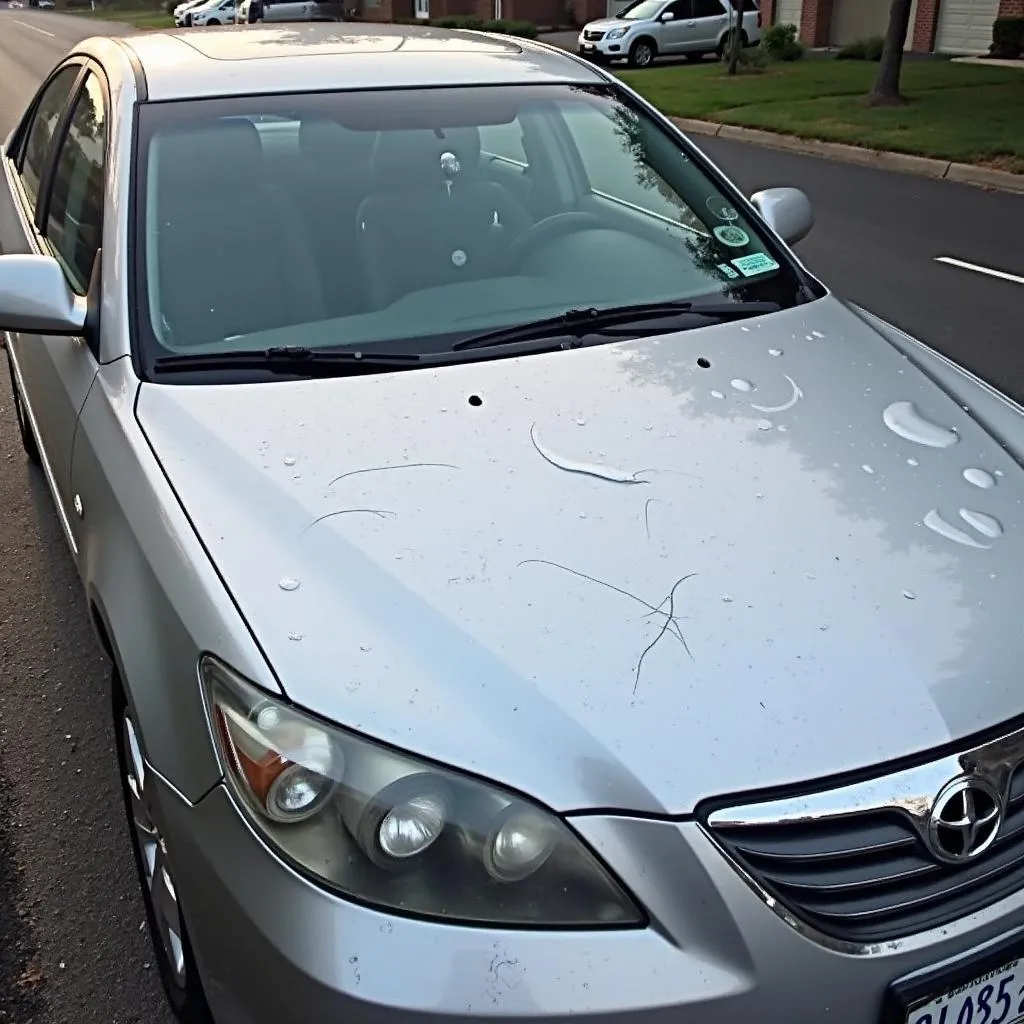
pixel 325 141
pixel 410 159
pixel 225 151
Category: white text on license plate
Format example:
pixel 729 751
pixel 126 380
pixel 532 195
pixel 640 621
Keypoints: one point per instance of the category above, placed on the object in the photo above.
pixel 994 998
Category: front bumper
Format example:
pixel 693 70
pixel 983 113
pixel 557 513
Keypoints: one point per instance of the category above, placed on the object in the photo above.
pixel 603 49
pixel 272 947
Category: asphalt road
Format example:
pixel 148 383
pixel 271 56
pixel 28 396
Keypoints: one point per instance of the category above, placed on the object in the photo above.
pixel 72 946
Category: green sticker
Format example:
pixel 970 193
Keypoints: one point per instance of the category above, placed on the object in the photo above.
pixel 727 270
pixel 755 263
pixel 729 234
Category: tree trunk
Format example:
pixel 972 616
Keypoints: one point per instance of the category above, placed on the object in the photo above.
pixel 734 35
pixel 886 90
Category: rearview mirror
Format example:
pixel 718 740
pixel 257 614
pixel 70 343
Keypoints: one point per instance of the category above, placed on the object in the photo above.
pixel 787 211
pixel 35 297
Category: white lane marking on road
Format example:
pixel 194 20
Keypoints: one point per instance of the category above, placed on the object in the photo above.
pixel 1002 274
pixel 41 31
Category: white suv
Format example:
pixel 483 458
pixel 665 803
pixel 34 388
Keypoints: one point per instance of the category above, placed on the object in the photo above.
pixel 646 29
pixel 182 11
pixel 214 12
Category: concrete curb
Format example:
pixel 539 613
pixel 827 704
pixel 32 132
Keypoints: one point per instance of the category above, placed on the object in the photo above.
pixel 922 166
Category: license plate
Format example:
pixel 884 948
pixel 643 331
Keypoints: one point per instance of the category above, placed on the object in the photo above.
pixel 993 998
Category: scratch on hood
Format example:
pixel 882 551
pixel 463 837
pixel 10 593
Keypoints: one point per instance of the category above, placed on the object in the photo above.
pixel 617 476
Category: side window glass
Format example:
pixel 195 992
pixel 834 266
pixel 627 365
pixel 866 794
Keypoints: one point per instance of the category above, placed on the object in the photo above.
pixel 708 9
pixel 504 140
pixel 682 9
pixel 75 218
pixel 40 134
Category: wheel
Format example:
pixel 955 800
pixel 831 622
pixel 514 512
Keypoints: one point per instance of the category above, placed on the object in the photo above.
pixel 28 439
pixel 213 21
pixel 724 42
pixel 171 946
pixel 642 53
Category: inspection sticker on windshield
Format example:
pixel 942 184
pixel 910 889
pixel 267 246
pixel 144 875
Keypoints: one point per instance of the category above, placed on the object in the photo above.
pixel 755 263
pixel 727 270
pixel 729 234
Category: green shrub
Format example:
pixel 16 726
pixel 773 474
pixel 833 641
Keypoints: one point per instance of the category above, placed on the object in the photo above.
pixel 523 29
pixel 863 49
pixel 779 42
pixel 458 21
pixel 1007 38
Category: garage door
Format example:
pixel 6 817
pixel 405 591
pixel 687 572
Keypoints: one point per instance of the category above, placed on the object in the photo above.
pixel 965 26
pixel 787 12
pixel 860 19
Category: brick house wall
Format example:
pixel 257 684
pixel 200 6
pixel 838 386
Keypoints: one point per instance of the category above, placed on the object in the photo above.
pixel 816 21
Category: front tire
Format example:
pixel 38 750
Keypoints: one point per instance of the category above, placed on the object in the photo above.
pixel 28 439
pixel 642 53
pixel 171 946
pixel 213 21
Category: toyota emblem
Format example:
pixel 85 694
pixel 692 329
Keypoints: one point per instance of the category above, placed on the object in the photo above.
pixel 964 820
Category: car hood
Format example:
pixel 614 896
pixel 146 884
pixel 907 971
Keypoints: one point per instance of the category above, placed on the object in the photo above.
pixel 605 24
pixel 629 576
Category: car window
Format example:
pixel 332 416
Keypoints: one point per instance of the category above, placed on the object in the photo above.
pixel 681 9
pixel 708 9
pixel 75 216
pixel 379 218
pixel 503 140
pixel 643 10
pixel 44 123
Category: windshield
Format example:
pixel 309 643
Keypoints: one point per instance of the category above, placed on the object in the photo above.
pixel 643 10
pixel 409 220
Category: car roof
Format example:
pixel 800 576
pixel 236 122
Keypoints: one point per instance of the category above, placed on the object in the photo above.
pixel 311 57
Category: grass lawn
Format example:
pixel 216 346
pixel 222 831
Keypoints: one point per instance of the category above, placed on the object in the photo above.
pixel 963 112
pixel 134 14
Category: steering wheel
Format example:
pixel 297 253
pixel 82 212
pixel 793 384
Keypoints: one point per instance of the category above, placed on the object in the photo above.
pixel 547 230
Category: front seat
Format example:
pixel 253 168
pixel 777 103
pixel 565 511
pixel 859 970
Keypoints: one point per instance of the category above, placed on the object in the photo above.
pixel 433 219
pixel 231 253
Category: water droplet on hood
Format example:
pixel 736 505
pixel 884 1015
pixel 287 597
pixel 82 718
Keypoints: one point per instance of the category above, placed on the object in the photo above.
pixel 986 525
pixel 289 460
pixel 294 636
pixel 717 394
pixel 909 595
pixel 867 468
pixel 288 583
pixel 935 522
pixel 913 462
pixel 581 421
pixel 980 478
pixel 742 385
pixel 364 648
pixel 775 351
pixel 903 419
pixel 764 424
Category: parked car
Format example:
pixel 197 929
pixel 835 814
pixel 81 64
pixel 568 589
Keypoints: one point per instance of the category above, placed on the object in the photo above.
pixel 297 10
pixel 214 12
pixel 647 29
pixel 531 593
pixel 182 13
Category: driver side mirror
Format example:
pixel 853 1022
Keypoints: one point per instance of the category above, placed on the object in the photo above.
pixel 667 16
pixel 35 297
pixel 787 211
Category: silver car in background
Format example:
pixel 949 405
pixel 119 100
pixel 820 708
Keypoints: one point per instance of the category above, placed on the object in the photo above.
pixel 646 29
pixel 531 593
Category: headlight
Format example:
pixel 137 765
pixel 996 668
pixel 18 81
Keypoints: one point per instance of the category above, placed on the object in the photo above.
pixel 387 829
pixel 617 33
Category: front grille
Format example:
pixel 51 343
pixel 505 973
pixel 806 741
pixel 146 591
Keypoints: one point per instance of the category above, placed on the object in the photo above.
pixel 868 876
pixel 593 37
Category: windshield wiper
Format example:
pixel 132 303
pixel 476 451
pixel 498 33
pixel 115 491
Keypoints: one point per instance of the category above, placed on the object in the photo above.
pixel 288 359
pixel 579 322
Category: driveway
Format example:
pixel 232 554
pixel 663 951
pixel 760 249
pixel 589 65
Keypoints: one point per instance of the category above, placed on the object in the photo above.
pixel 67 895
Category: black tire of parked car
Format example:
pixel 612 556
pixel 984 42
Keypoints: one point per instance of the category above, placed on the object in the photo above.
pixel 28 439
pixel 642 53
pixel 213 21
pixel 189 1002
pixel 720 51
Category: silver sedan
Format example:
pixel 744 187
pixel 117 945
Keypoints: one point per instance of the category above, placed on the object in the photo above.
pixel 531 593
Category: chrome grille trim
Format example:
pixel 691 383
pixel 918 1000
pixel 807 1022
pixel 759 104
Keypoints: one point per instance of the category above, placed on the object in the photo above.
pixel 852 863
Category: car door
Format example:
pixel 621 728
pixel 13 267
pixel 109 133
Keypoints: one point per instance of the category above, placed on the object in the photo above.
pixel 676 35
pixel 61 174
pixel 710 21
pixel 287 10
